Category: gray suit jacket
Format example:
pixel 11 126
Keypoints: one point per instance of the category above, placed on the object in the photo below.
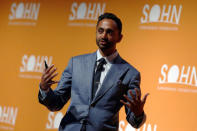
pixel 102 112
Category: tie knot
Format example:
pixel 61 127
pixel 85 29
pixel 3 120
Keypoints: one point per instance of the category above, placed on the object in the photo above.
pixel 102 62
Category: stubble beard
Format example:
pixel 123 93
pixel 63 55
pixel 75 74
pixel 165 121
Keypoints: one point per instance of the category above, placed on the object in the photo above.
pixel 105 47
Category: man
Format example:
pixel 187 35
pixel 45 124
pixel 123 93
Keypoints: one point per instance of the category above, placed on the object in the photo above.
pixel 99 84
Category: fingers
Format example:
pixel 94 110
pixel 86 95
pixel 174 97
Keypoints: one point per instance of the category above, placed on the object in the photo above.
pixel 125 103
pixel 129 100
pixel 51 77
pixel 48 69
pixel 135 104
pixel 47 75
pixel 144 98
pixel 53 82
pixel 138 94
pixel 133 96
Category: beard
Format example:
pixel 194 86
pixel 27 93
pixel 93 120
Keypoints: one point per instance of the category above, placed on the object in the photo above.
pixel 104 44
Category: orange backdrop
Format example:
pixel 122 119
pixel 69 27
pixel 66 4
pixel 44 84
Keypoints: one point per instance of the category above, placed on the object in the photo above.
pixel 159 40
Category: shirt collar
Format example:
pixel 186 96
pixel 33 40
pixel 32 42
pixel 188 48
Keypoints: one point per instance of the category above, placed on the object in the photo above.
pixel 109 58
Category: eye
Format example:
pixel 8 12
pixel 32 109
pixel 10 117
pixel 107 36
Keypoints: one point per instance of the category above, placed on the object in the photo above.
pixel 110 32
pixel 100 30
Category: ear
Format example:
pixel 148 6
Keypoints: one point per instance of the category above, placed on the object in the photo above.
pixel 120 38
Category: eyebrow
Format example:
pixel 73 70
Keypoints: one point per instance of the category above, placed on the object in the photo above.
pixel 108 29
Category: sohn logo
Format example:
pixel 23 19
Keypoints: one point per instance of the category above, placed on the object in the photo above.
pixel 166 15
pixel 146 127
pixel 32 65
pixel 24 13
pixel 8 115
pixel 85 13
pixel 54 120
pixel 178 78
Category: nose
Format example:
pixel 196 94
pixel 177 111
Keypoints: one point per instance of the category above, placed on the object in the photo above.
pixel 104 35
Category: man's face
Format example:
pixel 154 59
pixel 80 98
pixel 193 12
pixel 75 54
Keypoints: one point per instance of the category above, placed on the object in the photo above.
pixel 107 34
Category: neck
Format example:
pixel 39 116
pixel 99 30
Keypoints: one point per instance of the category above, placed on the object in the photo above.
pixel 108 52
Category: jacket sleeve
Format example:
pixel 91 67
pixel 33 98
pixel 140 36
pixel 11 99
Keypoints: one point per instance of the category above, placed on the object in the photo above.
pixel 54 100
pixel 136 122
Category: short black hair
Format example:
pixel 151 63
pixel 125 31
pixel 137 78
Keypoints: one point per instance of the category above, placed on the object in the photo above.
pixel 113 17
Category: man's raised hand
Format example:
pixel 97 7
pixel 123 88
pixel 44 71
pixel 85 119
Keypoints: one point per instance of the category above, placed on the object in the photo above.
pixel 136 105
pixel 47 76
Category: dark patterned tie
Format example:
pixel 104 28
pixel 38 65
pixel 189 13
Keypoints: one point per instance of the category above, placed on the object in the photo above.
pixel 97 76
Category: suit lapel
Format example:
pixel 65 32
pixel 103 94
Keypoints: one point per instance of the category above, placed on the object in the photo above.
pixel 88 77
pixel 117 69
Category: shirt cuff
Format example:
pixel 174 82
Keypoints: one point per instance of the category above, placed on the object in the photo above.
pixel 43 93
pixel 137 121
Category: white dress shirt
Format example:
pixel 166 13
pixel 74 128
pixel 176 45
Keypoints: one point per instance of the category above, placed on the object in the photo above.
pixel 109 59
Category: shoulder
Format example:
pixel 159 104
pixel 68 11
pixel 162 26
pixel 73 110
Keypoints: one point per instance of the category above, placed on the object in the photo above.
pixel 133 73
pixel 131 68
pixel 83 56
